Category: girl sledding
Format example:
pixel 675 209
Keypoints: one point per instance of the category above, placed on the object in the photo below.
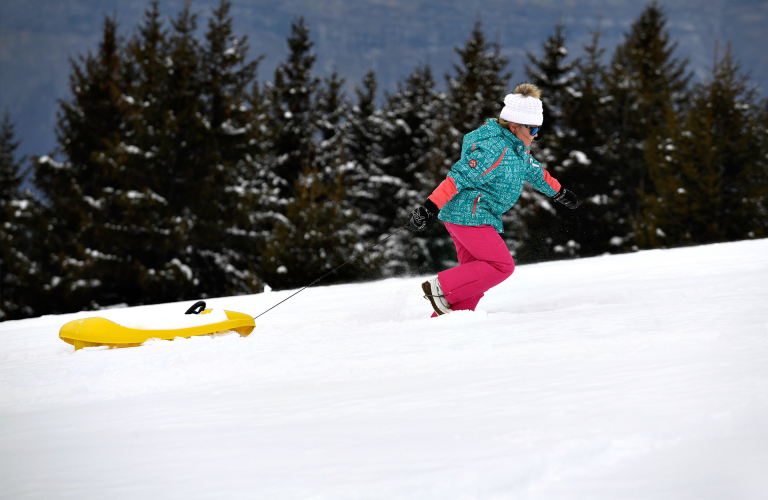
pixel 486 182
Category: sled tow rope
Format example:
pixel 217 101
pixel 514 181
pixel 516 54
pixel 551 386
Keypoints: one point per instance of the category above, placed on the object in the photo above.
pixel 331 271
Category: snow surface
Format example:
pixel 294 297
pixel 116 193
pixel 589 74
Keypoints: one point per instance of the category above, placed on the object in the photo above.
pixel 635 376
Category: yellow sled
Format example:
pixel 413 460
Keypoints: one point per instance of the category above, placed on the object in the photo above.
pixel 99 331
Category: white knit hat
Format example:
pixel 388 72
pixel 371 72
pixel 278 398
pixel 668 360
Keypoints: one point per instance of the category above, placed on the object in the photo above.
pixel 522 110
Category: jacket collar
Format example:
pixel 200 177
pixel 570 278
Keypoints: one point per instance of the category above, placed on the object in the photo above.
pixel 516 143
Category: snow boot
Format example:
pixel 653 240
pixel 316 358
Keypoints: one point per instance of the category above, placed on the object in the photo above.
pixel 434 293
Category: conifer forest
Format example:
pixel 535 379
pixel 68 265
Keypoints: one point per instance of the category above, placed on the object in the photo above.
pixel 180 174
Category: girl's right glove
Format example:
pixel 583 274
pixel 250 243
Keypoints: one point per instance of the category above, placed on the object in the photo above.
pixel 422 216
pixel 567 198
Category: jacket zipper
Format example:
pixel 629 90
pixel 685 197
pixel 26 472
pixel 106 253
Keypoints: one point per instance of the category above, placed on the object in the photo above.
pixel 474 207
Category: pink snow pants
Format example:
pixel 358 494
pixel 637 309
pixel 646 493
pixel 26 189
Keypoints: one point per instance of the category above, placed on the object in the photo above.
pixel 484 262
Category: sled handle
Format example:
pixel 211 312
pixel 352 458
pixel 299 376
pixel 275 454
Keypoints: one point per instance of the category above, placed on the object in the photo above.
pixel 196 308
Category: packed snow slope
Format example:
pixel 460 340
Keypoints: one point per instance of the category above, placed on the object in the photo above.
pixel 633 376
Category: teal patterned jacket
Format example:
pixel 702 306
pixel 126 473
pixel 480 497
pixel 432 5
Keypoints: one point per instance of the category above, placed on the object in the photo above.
pixel 488 179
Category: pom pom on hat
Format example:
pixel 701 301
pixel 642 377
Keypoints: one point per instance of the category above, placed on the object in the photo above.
pixel 523 106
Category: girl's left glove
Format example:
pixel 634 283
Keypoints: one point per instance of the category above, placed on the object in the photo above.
pixel 422 216
pixel 567 198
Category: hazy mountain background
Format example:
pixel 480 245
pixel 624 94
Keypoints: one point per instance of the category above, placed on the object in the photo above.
pixel 389 36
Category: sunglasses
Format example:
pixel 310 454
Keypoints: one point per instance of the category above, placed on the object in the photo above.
pixel 533 128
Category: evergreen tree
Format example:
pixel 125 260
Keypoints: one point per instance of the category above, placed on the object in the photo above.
pixel 89 127
pixel 364 124
pixel 415 141
pixel 222 237
pixel 317 235
pixel 547 231
pixel 584 168
pixel 761 172
pixel 320 229
pixel 12 268
pixel 151 241
pixel 709 179
pixel 199 145
pixel 10 169
pixel 259 186
pixel 142 230
pixel 577 155
pixel 555 77
pixel 332 107
pixel 648 87
pixel 292 114
pixel 340 174
pixel 366 176
pixel 20 270
pixel 476 91
pixel 151 188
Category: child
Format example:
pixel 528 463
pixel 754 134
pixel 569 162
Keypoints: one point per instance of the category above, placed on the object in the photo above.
pixel 481 186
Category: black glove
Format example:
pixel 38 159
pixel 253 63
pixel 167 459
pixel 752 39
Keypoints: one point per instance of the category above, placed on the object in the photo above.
pixel 422 216
pixel 567 198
